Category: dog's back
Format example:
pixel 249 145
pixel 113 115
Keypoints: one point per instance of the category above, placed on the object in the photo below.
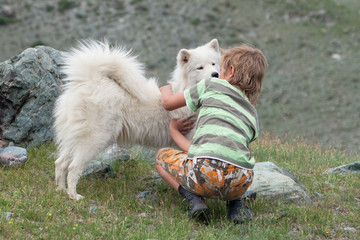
pixel 102 84
pixel 107 98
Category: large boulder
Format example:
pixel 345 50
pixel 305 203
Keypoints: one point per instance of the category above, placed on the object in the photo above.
pixel 29 84
pixel 273 182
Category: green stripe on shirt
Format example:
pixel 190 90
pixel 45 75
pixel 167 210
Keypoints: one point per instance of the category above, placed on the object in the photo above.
pixel 221 113
pixel 221 131
pixel 222 152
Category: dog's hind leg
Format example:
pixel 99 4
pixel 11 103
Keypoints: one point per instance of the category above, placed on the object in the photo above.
pixel 61 168
pixel 82 157
pixel 75 170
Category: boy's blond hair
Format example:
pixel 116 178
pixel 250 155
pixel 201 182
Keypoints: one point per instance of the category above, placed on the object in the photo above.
pixel 249 69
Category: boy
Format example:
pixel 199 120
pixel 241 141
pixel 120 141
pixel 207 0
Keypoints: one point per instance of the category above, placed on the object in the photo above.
pixel 217 162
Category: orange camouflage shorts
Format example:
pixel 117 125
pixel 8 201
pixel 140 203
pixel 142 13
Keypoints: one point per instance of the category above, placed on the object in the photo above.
pixel 206 177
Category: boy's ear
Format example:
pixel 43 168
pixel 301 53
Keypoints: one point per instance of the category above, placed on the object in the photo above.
pixel 183 56
pixel 232 71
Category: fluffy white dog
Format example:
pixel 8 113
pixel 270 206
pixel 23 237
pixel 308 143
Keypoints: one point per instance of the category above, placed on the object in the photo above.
pixel 107 98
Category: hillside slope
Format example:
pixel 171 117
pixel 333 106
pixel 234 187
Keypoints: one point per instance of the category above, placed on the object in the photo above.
pixel 311 87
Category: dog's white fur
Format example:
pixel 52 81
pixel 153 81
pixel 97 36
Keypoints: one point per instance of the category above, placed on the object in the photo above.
pixel 107 98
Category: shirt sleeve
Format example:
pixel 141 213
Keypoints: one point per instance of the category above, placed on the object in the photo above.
pixel 193 95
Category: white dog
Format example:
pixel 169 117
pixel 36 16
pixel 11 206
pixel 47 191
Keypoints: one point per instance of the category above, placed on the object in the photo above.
pixel 107 98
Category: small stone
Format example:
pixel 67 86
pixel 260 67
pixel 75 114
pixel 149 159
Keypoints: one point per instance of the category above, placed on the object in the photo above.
pixel 283 213
pixel 114 153
pixel 329 185
pixel 318 195
pixel 346 169
pixel 146 195
pixel 93 208
pixel 12 156
pixel 99 169
pixel 350 229
pixel 294 234
pixel 7 11
pixel 7 215
pixel 336 56
pixel 142 214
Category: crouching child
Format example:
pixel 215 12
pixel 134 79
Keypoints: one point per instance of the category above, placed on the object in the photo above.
pixel 217 162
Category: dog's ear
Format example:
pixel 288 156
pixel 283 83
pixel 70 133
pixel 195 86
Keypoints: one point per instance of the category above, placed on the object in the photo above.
pixel 214 44
pixel 183 56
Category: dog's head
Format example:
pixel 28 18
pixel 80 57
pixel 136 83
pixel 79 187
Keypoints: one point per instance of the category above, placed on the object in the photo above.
pixel 200 63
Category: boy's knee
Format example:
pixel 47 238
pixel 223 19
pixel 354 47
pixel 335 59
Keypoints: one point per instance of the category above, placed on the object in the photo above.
pixel 157 155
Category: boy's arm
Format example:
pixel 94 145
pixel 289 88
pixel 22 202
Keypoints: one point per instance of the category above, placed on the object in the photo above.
pixel 171 101
pixel 177 127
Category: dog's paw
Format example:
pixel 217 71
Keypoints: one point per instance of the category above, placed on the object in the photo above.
pixel 76 197
pixel 60 188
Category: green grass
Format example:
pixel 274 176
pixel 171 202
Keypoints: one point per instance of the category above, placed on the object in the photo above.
pixel 42 213
pixel 64 5
pixel 5 20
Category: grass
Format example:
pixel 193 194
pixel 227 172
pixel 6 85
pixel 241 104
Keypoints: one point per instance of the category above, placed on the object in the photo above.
pixel 64 5
pixel 42 213
pixel 5 20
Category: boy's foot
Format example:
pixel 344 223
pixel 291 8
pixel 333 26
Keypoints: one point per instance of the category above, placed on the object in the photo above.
pixel 197 207
pixel 238 212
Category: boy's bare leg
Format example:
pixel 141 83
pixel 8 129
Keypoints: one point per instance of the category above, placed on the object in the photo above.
pixel 197 207
pixel 166 176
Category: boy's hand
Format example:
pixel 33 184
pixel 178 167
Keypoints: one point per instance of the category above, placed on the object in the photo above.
pixel 166 89
pixel 178 127
pixel 182 125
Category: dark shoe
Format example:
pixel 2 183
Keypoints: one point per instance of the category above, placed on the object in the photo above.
pixel 197 207
pixel 238 212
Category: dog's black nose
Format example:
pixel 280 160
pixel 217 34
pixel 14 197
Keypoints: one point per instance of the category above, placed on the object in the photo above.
pixel 215 74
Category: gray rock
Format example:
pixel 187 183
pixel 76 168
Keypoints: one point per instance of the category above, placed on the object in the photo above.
pixel 7 215
pixel 146 196
pixel 344 169
pixel 319 195
pixel 93 208
pixel 350 229
pixel 114 153
pixel 99 169
pixel 274 182
pixel 29 84
pixel 12 156
pixel 249 196
pixel 146 153
pixel 329 185
pixel 7 11
pixel 101 166
pixel 294 234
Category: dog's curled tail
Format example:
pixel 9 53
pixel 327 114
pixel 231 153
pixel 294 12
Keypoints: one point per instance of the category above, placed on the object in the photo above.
pixel 94 60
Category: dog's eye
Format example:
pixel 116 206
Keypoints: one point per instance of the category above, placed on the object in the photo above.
pixel 213 64
pixel 200 68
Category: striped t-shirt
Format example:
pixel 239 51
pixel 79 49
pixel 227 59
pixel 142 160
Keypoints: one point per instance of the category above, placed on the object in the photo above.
pixel 226 124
